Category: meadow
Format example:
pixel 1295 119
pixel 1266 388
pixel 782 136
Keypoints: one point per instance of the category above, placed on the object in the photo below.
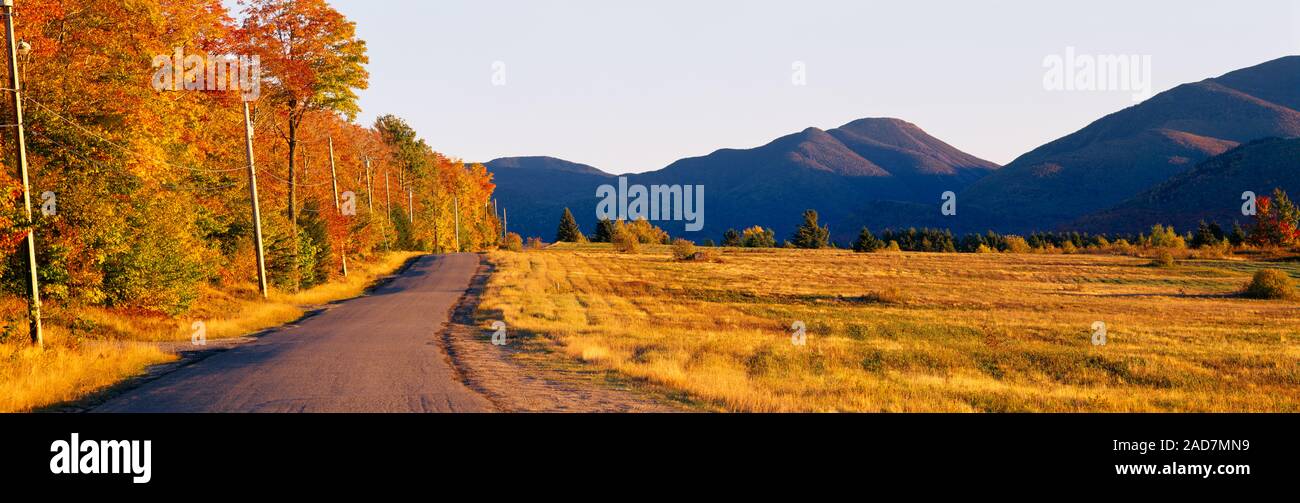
pixel 906 332
pixel 88 348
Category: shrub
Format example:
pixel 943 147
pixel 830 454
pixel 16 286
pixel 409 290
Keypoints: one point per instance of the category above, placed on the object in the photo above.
pixel 893 247
pixel 1068 248
pixel 514 242
pixel 625 240
pixel 683 249
pixel 985 249
pixel 1017 244
pixel 535 243
pixel 1271 284
pixel 1163 259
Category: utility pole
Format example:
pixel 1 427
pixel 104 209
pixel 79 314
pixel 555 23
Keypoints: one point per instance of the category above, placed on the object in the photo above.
pixel 15 85
pixel 456 202
pixel 388 196
pixel 252 192
pixel 334 177
pixel 410 206
pixel 370 188
pixel 505 223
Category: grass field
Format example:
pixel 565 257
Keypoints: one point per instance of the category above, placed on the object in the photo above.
pixel 88 349
pixel 910 331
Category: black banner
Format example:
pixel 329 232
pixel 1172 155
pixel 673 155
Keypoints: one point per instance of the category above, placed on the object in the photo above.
pixel 225 452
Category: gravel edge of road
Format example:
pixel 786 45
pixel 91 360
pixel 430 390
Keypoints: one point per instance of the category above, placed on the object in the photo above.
pixel 518 377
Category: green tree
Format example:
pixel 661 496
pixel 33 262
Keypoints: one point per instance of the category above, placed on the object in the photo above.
pixel 604 231
pixel 867 242
pixel 809 234
pixel 569 232
pixel 731 238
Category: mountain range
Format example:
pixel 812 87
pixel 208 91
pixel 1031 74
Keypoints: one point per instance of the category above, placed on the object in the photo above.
pixel 1160 161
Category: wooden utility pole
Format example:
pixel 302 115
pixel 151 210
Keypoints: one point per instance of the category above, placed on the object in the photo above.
pixel 15 86
pixel 505 223
pixel 370 188
pixel 388 196
pixel 410 206
pixel 334 176
pixel 252 193
pixel 455 199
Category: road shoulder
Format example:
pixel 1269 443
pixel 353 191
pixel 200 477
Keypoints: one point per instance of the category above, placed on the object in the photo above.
pixel 523 376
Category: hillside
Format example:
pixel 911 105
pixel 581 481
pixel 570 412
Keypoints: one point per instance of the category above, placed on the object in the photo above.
pixel 1128 152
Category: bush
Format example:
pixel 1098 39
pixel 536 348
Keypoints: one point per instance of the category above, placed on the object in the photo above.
pixel 535 243
pixel 514 242
pixel 1271 284
pixel 683 249
pixel 985 249
pixel 1163 259
pixel 893 247
pixel 1017 244
pixel 625 241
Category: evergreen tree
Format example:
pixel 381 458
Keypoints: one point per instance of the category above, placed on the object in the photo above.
pixel 809 234
pixel 867 242
pixel 604 231
pixel 569 232
pixel 731 238
pixel 1238 235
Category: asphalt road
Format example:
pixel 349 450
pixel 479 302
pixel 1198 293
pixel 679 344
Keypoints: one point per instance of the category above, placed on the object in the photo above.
pixel 378 353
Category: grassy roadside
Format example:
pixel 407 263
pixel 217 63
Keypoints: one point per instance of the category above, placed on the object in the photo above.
pixel 88 349
pixel 910 331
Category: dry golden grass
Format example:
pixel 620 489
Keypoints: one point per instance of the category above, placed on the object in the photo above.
pixel 88 349
pixel 911 332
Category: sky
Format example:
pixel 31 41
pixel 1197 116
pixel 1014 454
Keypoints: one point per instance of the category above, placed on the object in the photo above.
pixel 633 86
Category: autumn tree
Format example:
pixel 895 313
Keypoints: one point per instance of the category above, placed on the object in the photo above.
pixel 315 63
pixel 1277 221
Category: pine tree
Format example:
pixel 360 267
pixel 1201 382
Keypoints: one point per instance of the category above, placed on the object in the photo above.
pixel 731 238
pixel 867 242
pixel 604 231
pixel 569 232
pixel 809 235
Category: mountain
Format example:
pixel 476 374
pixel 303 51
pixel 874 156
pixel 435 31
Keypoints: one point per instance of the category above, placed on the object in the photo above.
pixel 534 191
pixel 1131 151
pixel 1211 191
pixel 839 172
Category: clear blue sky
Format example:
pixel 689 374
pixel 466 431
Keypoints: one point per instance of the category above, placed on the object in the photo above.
pixel 632 86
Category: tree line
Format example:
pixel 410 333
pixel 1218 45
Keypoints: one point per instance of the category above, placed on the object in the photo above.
pixel 1276 223
pixel 149 190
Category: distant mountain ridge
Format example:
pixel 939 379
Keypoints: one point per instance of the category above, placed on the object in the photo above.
pixel 1130 151
pixel 889 173
pixel 834 171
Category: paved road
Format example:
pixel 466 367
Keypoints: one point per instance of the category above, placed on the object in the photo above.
pixel 378 353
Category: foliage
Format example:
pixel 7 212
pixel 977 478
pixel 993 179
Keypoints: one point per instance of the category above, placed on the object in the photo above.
pixel 867 242
pixel 514 242
pixel 758 237
pixel 1271 284
pixel 809 235
pixel 683 249
pixel 568 232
